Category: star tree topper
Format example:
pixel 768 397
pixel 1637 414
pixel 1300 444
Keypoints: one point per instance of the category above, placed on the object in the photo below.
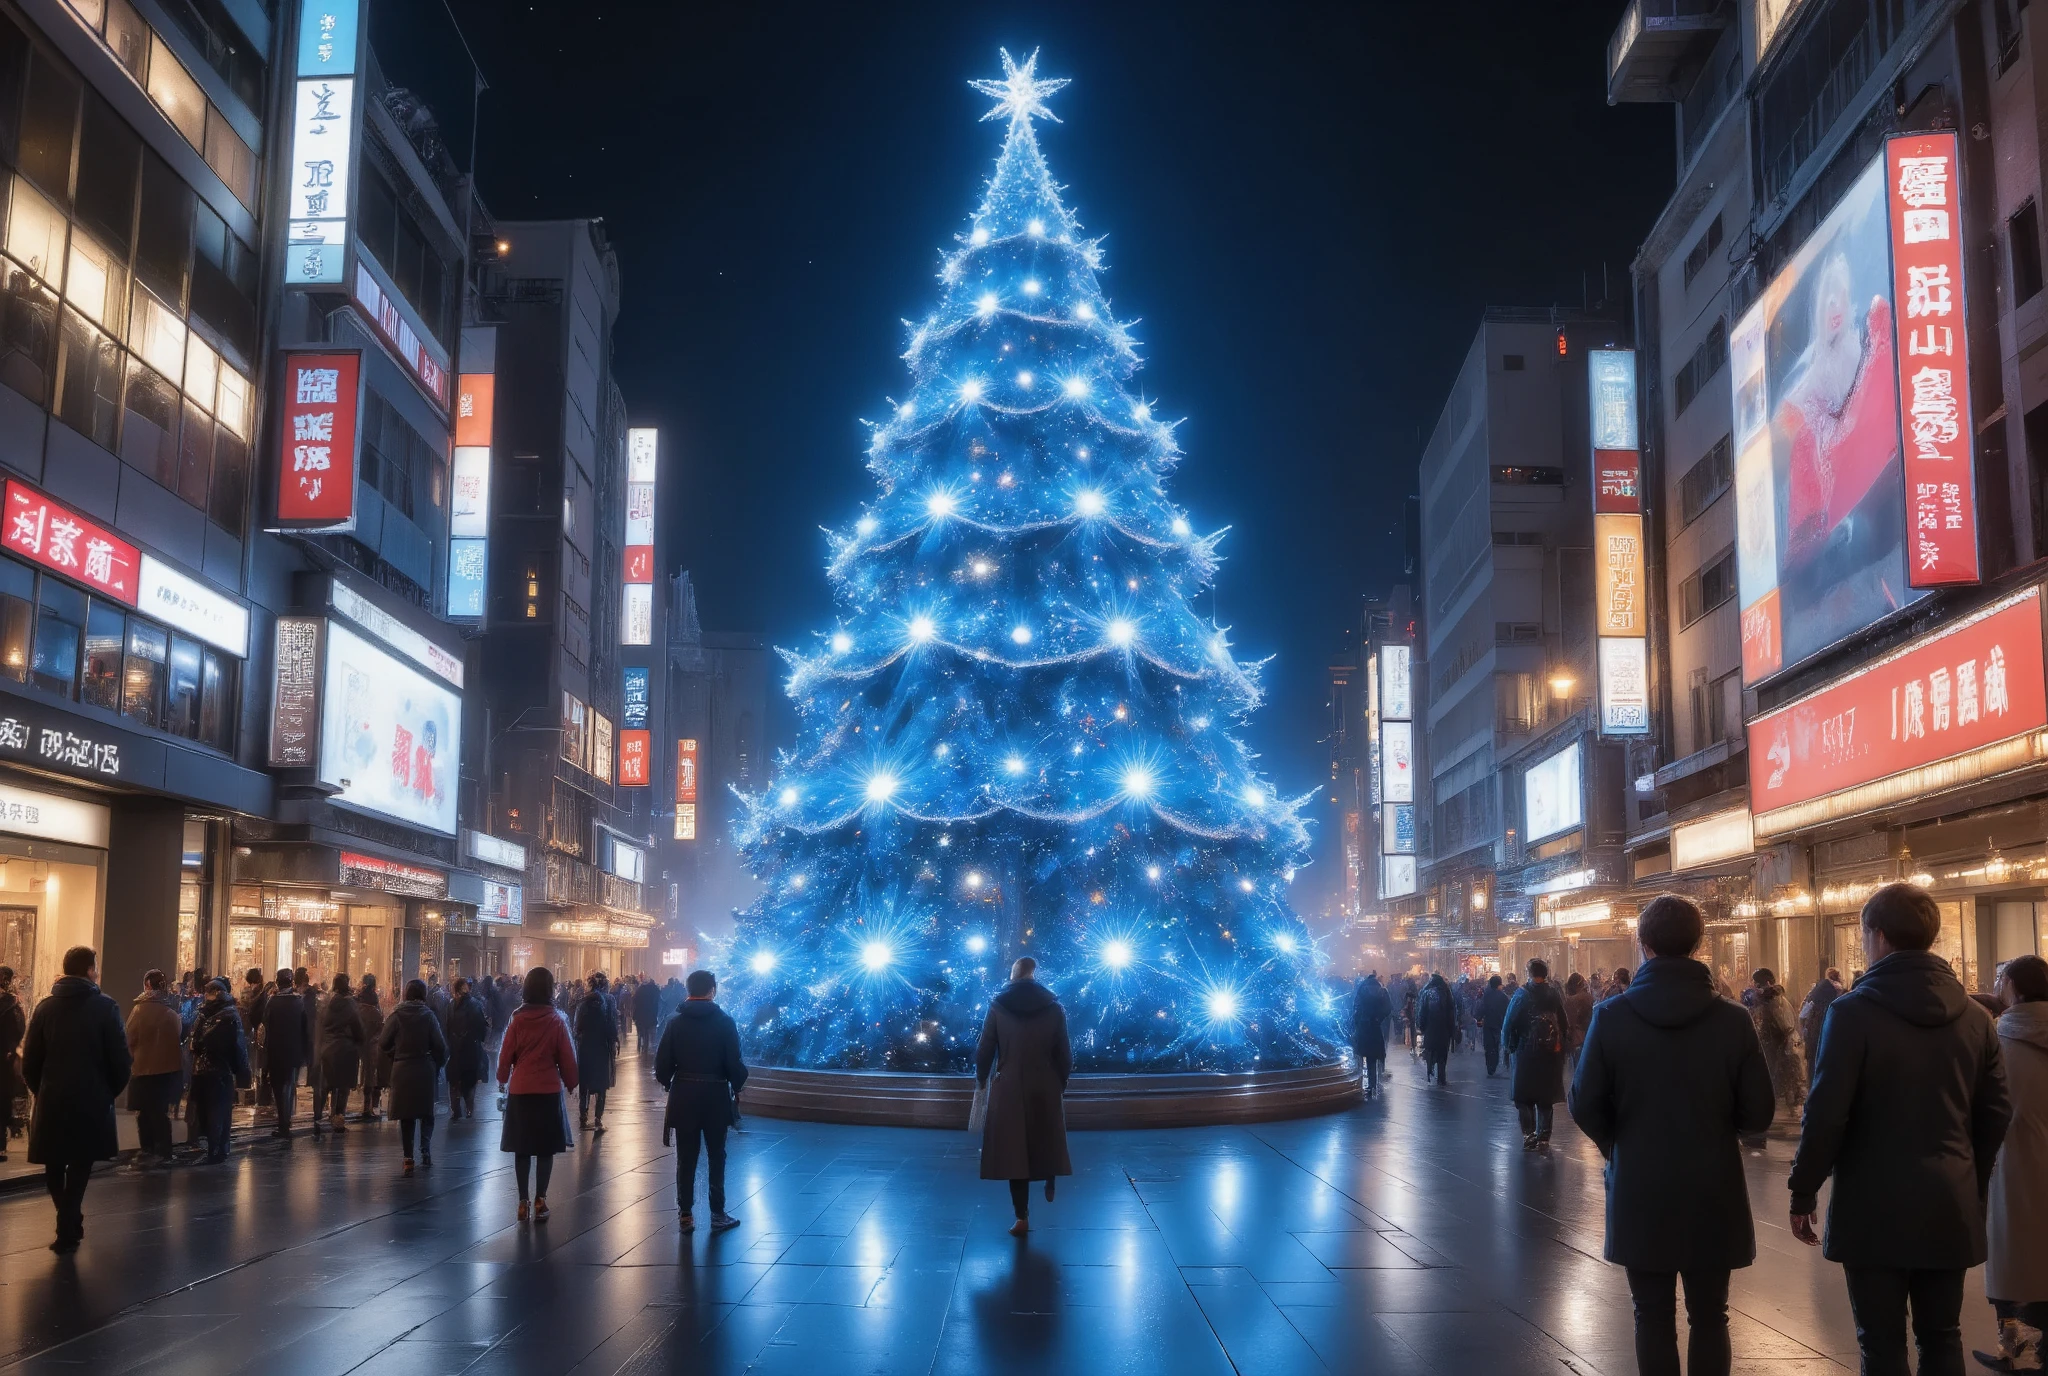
pixel 1020 94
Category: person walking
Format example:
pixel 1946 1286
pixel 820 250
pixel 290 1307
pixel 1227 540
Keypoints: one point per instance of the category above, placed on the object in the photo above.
pixel 1535 1036
pixel 2016 1216
pixel 75 1062
pixel 220 1065
pixel 1493 1017
pixel 469 1032
pixel 411 1048
pixel 1578 1016
pixel 646 1012
pixel 596 1021
pixel 371 1011
pixel 698 1063
pixel 1435 1021
pixel 13 1027
pixel 536 1065
pixel 1814 1011
pixel 1776 1030
pixel 1670 1079
pixel 1023 1062
pixel 1906 1112
pixel 156 1074
pixel 1370 1009
pixel 341 1053
pixel 285 1048
pixel 437 1000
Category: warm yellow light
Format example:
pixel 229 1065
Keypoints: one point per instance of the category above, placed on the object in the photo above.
pixel 1562 683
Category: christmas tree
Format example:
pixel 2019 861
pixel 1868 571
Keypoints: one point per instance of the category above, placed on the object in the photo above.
pixel 1018 738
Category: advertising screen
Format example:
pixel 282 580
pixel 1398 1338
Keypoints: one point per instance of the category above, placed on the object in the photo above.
pixel 389 735
pixel 1397 876
pixel 1397 824
pixel 1394 694
pixel 1551 801
pixel 1624 687
pixel 1397 761
pixel 1819 473
pixel 316 449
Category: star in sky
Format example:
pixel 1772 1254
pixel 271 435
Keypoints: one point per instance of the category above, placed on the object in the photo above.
pixel 1020 94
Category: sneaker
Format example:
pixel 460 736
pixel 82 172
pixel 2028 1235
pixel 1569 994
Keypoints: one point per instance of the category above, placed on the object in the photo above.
pixel 689 1223
pixel 540 1211
pixel 1529 1142
pixel 722 1220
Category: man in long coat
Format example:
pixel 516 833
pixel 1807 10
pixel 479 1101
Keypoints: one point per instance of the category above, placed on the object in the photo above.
pixel 698 1063
pixel 1370 1009
pixel 75 1061
pixel 1023 1063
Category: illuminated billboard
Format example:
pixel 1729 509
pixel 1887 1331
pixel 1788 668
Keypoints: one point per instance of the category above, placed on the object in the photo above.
pixel 390 737
pixel 1551 799
pixel 636 625
pixel 1395 698
pixel 1397 761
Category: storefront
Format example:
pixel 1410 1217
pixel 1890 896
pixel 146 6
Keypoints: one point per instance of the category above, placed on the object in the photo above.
pixel 53 872
pixel 479 947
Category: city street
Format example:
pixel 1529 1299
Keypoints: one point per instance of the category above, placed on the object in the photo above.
pixel 1408 1236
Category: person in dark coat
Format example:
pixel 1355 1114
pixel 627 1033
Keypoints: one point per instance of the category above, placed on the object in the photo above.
pixel 1436 1021
pixel 75 1062
pixel 411 1050
pixel 1370 1010
pixel 1670 1078
pixel 672 996
pixel 699 1064
pixel 1023 1062
pixel 340 1052
pixel 1492 1019
pixel 1814 1012
pixel 156 1068
pixel 284 1050
pixel 536 1064
pixel 437 1000
pixel 469 1032
pixel 1777 1031
pixel 1535 1035
pixel 1907 1111
pixel 646 1012
pixel 220 1064
pixel 371 1009
pixel 13 1027
pixel 596 1020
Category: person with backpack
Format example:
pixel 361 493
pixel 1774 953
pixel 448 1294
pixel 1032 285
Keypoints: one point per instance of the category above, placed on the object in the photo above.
pixel 1535 1034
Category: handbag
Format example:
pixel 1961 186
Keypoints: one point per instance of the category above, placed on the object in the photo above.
pixel 977 1116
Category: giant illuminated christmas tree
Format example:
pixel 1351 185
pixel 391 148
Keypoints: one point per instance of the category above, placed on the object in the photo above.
pixel 1018 737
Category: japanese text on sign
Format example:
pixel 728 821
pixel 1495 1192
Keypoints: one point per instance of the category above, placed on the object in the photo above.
pixel 60 539
pixel 317 441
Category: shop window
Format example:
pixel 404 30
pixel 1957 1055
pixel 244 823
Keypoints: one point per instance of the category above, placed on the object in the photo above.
pixel 105 630
pixel 142 672
pixel 163 236
pixel 109 166
pixel 17 617
pixel 49 126
pixel 60 625
pixel 181 688
pixel 89 380
pixel 28 333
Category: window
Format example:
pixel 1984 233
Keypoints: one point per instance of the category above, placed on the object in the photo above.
pixel 1511 363
pixel 1707 589
pixel 229 157
pixel 163 239
pixel 129 37
pixel 1705 481
pixel 224 281
pixel 49 126
pixel 2023 231
pixel 181 696
pixel 149 424
pixel 1716 708
pixel 1518 537
pixel 217 702
pixel 218 38
pixel 28 333
pixel 60 624
pixel 177 94
pixel 105 631
pixel 1702 249
pixel 35 233
pixel 404 249
pixel 14 49
pixel 1706 361
pixel 109 165
pixel 17 617
pixel 142 673
pixel 1518 475
pixel 88 381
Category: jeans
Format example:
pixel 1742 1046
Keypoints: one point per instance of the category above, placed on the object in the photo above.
pixel 1374 1067
pixel 1706 1318
pixel 543 1169
pixel 213 1103
pixel 66 1182
pixel 1535 1118
pixel 1878 1298
pixel 713 1135
pixel 426 1133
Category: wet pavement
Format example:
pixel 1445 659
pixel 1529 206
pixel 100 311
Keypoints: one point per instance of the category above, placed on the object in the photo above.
pixel 1411 1235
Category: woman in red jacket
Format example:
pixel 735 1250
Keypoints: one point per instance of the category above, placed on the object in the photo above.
pixel 537 1064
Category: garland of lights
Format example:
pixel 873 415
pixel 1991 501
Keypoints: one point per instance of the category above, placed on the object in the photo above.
pixel 1019 738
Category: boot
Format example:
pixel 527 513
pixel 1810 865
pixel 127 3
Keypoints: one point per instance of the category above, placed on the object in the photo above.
pixel 339 1122
pixel 2026 1348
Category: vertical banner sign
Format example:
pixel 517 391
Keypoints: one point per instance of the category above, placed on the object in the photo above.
pixel 636 626
pixel 316 481
pixel 319 174
pixel 1621 571
pixel 295 694
pixel 635 738
pixel 686 790
pixel 469 508
pixel 1922 183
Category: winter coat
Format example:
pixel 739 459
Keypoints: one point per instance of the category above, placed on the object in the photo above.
pixel 373 1034
pixel 284 1033
pixel 1578 1016
pixel 219 1046
pixel 412 1050
pixel 2016 1219
pixel 153 1028
pixel 437 1004
pixel 1493 1013
pixel 597 1042
pixel 75 1062
pixel 1907 1108
pixel 647 1005
pixel 698 1063
pixel 13 1026
pixel 1773 1013
pixel 1370 1009
pixel 1670 1077
pixel 469 1027
pixel 537 1056
pixel 1535 1036
pixel 1024 1059
pixel 1435 1019
pixel 341 1042
pixel 1814 1011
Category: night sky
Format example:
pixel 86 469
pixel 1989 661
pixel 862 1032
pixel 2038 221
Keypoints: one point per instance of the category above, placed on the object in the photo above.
pixel 1305 206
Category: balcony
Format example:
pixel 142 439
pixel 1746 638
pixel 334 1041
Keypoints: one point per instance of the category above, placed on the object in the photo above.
pixel 1658 42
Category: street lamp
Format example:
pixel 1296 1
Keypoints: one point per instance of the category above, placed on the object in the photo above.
pixel 1562 683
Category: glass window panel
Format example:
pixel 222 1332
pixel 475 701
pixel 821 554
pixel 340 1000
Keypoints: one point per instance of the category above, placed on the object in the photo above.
pixel 230 494
pixel 105 630
pixel 181 696
pixel 88 380
pixel 230 158
pixel 95 281
pixel 28 333
pixel 233 407
pixel 149 424
pixel 93 12
pixel 163 239
pixel 176 93
pixel 142 673
pixel 202 371
pixel 17 615
pixel 129 37
pixel 49 125
pixel 195 456
pixel 13 82
pixel 217 702
pixel 109 168
pixel 35 233
pixel 60 625
pixel 156 332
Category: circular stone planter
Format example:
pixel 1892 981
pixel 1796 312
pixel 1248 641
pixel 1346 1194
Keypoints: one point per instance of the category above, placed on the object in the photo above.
pixel 889 1099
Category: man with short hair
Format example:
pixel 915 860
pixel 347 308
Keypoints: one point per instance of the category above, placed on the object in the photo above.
pixel 76 1060
pixel 1535 1034
pixel 1907 1110
pixel 285 1050
pixel 1493 1016
pixel 1670 1078
pixel 699 1064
